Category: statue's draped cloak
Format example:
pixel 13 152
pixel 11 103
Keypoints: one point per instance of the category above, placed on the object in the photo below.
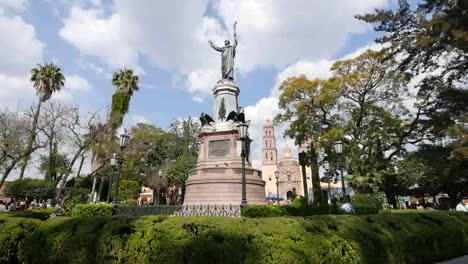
pixel 227 59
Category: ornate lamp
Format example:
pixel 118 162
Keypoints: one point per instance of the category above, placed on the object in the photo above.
pixel 277 186
pixel 338 147
pixel 242 128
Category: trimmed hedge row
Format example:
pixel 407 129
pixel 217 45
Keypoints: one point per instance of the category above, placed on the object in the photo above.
pixel 92 210
pixel 390 238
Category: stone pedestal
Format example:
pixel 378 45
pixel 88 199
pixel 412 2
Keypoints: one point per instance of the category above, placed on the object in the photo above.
pixel 217 179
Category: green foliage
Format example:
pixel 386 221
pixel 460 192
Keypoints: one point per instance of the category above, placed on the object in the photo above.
pixel 178 171
pixel 91 210
pixel 33 214
pixel 388 238
pixel 300 208
pixel 77 196
pixel 371 199
pixel 255 211
pixel 129 202
pixel 59 166
pixel 12 231
pixel 30 188
pixel 120 105
pixel 47 79
pixel 128 189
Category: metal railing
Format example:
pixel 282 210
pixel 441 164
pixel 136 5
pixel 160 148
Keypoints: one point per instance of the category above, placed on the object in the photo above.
pixel 179 210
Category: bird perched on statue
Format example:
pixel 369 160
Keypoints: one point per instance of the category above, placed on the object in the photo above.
pixel 238 116
pixel 205 119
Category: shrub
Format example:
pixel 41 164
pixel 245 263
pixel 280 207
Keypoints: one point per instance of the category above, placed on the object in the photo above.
pixel 426 237
pixel 263 211
pixel 34 214
pixel 128 189
pixel 91 210
pixel 368 199
pixel 12 231
pixel 129 202
pixel 77 196
pixel 298 209
pixel 30 188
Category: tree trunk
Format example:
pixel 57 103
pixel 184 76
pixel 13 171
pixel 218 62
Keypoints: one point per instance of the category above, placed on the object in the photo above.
pixel 81 166
pixel 101 186
pixel 93 190
pixel 318 197
pixel 6 172
pixel 30 140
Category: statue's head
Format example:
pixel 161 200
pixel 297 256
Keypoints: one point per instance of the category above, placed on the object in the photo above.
pixel 226 42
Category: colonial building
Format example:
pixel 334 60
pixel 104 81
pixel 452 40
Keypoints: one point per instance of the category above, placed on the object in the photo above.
pixel 290 175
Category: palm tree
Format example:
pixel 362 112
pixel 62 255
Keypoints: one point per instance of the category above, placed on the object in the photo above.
pixel 46 79
pixel 125 83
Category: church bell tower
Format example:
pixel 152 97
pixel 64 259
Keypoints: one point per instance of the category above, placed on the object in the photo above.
pixel 270 154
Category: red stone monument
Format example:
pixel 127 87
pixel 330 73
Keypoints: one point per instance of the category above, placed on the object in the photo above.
pixel 217 179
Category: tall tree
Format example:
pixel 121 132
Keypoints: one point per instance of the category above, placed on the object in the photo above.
pixel 307 105
pixel 432 36
pixel 46 79
pixel 126 83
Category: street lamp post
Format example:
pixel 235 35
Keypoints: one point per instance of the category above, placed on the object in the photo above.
pixel 339 150
pixel 114 161
pixel 124 140
pixel 160 174
pixel 326 166
pixel 277 186
pixel 303 163
pixel 242 128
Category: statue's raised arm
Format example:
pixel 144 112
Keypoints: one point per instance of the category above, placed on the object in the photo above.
pixel 228 53
pixel 214 46
pixel 235 35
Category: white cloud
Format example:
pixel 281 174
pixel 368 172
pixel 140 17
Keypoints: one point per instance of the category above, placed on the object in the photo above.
pixel 174 36
pixel 140 119
pixel 77 83
pixel 73 84
pixel 21 49
pixel 15 5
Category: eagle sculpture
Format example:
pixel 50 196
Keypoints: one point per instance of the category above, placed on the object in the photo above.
pixel 238 116
pixel 205 119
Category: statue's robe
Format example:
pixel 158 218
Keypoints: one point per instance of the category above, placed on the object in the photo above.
pixel 228 53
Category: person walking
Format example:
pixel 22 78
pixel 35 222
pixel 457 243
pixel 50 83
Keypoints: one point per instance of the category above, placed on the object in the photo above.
pixel 462 206
pixel 3 207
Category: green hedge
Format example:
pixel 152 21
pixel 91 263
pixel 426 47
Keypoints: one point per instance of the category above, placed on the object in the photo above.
pixel 283 210
pixel 390 238
pixel 34 214
pixel 14 230
pixel 91 210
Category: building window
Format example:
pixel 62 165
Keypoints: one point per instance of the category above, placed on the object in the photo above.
pixel 269 179
pixel 266 156
pixel 308 177
pixel 289 177
pixel 271 154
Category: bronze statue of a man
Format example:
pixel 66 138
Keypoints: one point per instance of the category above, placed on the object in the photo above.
pixel 228 53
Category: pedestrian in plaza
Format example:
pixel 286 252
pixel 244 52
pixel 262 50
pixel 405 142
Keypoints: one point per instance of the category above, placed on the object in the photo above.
pixel 3 207
pixel 462 206
pixel 34 204
pixel 12 206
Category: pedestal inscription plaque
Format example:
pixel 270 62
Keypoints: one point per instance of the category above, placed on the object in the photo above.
pixel 219 149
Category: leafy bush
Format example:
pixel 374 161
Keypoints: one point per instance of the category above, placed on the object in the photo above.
pixel 12 231
pixel 77 196
pixel 367 203
pixel 298 209
pixel 34 214
pixel 426 237
pixel 128 189
pixel 129 202
pixel 30 188
pixel 91 210
pixel 263 211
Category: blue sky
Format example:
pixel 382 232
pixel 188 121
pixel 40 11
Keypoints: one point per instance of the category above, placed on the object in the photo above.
pixel 166 42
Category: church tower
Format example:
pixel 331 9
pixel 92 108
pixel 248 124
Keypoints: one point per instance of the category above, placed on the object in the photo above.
pixel 270 153
pixel 270 156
